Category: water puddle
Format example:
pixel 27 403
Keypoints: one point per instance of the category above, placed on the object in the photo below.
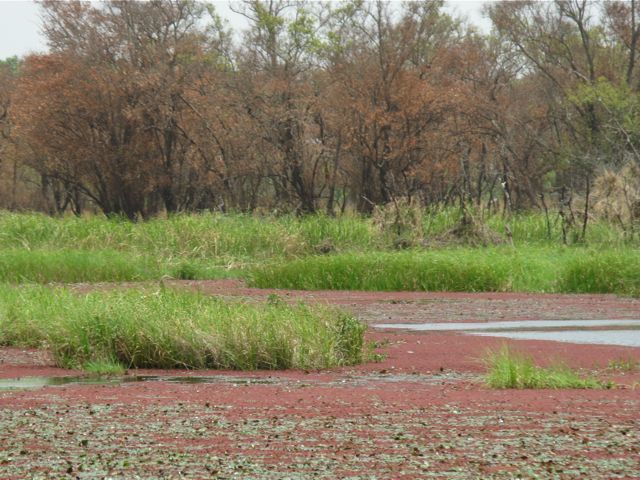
pixel 39 382
pixel 26 383
pixel 608 332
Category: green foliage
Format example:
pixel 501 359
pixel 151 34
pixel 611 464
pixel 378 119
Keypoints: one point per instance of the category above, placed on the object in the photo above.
pixel 302 30
pixel 166 328
pixel 215 237
pixel 12 64
pixel 618 100
pixel 251 237
pixel 617 109
pixel 104 367
pixel 509 369
pixel 624 364
pixel 266 20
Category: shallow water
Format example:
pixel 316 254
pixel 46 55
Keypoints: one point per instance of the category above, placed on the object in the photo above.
pixel 627 338
pixel 623 332
pixel 348 381
pixel 512 325
pixel 38 382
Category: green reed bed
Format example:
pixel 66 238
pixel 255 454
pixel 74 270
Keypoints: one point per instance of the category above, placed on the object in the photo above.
pixel 530 269
pixel 164 328
pixel 384 272
pixel 284 252
pixel 243 237
pixel 73 266
pixel 526 269
pixel 234 237
pixel 532 228
pixel 612 271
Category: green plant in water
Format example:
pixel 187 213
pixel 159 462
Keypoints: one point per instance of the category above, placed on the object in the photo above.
pixel 624 364
pixel 509 369
pixel 104 367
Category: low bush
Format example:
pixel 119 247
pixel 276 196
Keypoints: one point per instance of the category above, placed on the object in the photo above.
pixel 104 367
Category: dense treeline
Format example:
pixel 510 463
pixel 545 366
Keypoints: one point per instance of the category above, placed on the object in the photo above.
pixel 143 107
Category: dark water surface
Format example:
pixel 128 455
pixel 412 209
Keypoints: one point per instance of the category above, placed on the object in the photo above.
pixel 38 382
pixel 345 381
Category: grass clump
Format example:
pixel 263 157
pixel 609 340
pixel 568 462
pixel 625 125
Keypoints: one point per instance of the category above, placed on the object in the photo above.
pixel 508 369
pixel 167 328
pixel 104 367
pixel 624 364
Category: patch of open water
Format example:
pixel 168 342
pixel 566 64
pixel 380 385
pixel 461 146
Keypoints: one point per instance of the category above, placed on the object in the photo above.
pixel 514 325
pixel 26 383
pixel 625 338
pixel 609 332
pixel 38 382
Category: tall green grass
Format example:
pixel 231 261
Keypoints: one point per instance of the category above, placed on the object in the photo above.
pixel 281 252
pixel 536 228
pixel 72 266
pixel 602 272
pixel 532 269
pixel 509 369
pixel 250 238
pixel 233 237
pixel 456 270
pixel 164 328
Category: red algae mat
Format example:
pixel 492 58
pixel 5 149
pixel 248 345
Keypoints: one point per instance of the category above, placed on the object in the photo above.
pixel 422 412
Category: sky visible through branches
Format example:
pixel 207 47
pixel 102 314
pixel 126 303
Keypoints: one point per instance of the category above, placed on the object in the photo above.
pixel 20 23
